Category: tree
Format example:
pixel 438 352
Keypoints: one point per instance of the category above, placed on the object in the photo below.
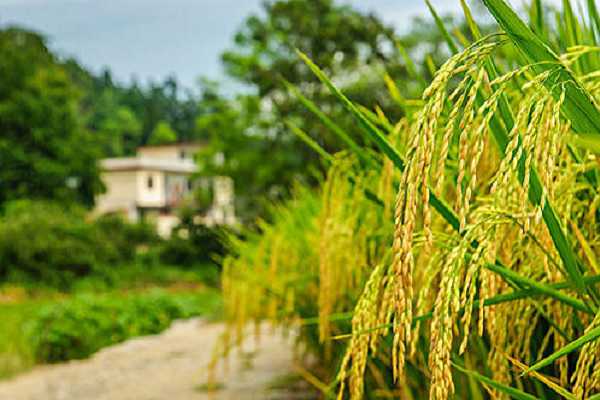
pixel 237 147
pixel 337 38
pixel 161 102
pixel 353 48
pixel 162 134
pixel 252 134
pixel 345 43
pixel 123 116
pixel 121 131
pixel 45 152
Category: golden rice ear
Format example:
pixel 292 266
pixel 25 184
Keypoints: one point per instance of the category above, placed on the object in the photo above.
pixel 495 270
pixel 578 106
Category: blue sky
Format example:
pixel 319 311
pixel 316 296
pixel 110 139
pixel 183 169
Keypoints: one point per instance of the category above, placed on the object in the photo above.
pixel 150 39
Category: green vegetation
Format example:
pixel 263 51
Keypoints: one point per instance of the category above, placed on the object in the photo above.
pixel 162 134
pixel 47 327
pixel 37 100
pixel 82 325
pixel 71 284
pixel 250 131
pixel 53 245
pixel 16 354
pixel 451 250
pixel 433 220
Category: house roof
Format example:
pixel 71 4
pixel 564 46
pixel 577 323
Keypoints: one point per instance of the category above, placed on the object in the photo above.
pixel 187 145
pixel 150 164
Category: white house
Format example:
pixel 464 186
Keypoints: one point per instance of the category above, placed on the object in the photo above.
pixel 154 182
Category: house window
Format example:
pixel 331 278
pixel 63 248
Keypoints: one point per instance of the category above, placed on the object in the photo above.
pixel 189 184
pixel 182 154
pixel 150 182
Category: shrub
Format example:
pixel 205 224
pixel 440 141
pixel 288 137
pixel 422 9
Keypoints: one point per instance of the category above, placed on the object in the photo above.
pixel 194 243
pixel 82 325
pixel 124 236
pixel 200 253
pixel 54 244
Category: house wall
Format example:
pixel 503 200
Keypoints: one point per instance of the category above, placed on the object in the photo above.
pixel 129 190
pixel 168 152
pixel 150 195
pixel 119 196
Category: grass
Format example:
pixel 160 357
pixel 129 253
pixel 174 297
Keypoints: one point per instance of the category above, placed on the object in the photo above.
pixel 15 354
pixel 209 387
pixel 135 276
pixel 20 306
pixel 83 324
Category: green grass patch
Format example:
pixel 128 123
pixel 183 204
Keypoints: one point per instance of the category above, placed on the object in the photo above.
pixel 209 387
pixel 82 325
pixel 15 353
pixel 59 328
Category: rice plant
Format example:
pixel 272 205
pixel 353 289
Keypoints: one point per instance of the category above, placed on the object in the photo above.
pixel 455 257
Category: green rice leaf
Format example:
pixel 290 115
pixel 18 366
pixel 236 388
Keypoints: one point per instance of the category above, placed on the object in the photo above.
pixel 538 286
pixel 574 345
pixel 442 28
pixel 375 119
pixel 536 12
pixel 470 20
pixel 595 21
pixel 309 141
pixel 335 128
pixel 578 107
pixel 545 380
pixel 410 65
pixel 379 139
pixel 587 142
pixel 508 390
pixel 594 397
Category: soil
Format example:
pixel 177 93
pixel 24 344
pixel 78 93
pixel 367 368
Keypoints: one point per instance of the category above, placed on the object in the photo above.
pixel 169 366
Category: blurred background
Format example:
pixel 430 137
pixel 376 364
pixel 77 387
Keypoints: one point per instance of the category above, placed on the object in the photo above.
pixel 137 138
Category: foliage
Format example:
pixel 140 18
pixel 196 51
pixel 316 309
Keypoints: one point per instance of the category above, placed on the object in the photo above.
pixel 82 325
pixel 193 245
pixel 162 134
pixel 250 132
pixel 120 130
pixel 15 352
pixel 233 150
pixel 144 273
pixel 267 44
pixel 123 117
pixel 57 119
pixel 22 303
pixel 465 247
pixel 45 152
pixel 53 244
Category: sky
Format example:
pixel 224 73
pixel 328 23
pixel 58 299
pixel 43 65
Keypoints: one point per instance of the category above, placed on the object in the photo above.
pixel 151 39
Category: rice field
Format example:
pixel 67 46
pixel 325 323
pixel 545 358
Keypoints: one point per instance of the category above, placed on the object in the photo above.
pixel 455 255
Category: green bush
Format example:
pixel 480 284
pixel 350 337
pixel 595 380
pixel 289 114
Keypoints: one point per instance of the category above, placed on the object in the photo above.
pixel 55 244
pixel 124 236
pixel 194 243
pixel 82 325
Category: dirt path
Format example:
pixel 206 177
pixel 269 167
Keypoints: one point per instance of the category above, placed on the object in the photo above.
pixel 169 366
